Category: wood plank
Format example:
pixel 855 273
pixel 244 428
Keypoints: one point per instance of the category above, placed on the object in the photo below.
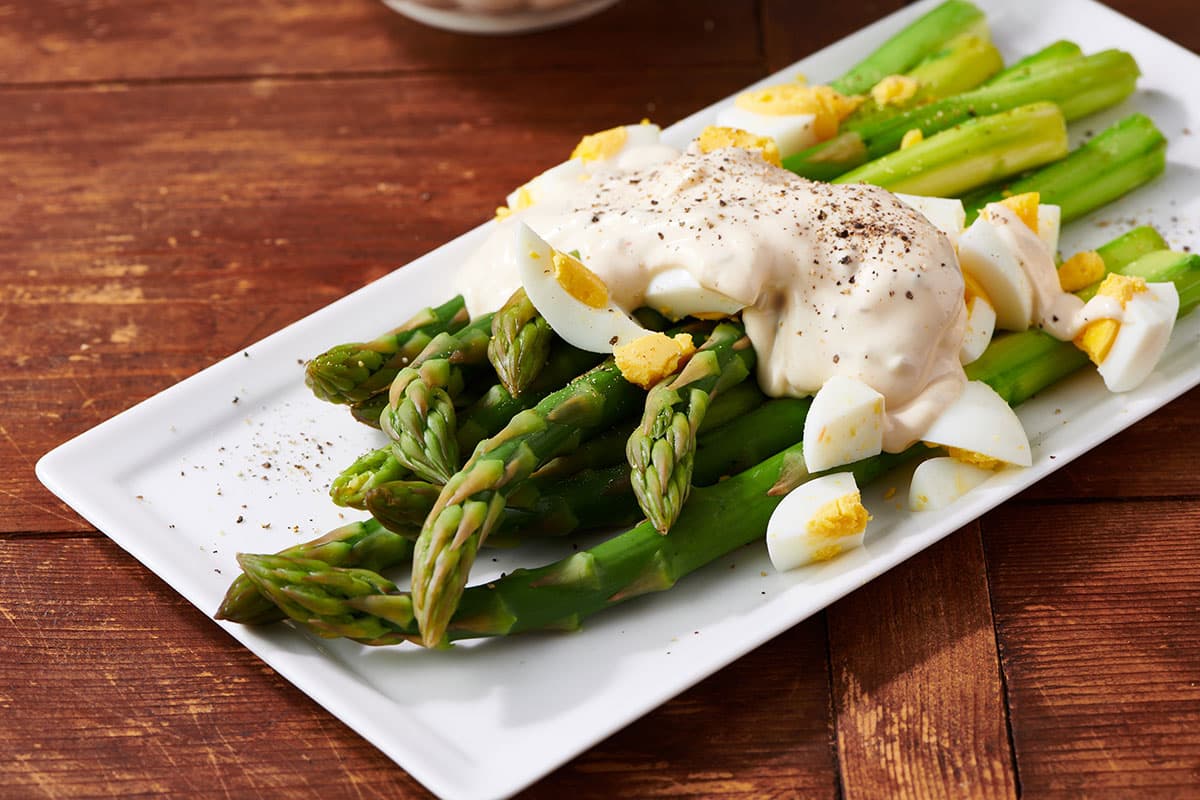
pixel 917 693
pixel 158 699
pixel 155 230
pixel 152 699
pixel 120 40
pixel 1096 615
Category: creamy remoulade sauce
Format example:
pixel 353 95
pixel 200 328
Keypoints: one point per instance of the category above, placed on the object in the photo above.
pixel 836 280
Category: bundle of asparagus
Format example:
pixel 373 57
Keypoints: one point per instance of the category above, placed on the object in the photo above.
pixel 555 439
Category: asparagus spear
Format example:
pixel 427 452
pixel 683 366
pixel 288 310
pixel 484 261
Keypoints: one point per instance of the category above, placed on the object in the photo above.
pixel 913 44
pixel 716 521
pixel 662 449
pixel 363 544
pixel 420 417
pixel 963 64
pixel 367 411
pixel 1122 157
pixel 1056 52
pixel 492 412
pixel 1078 88
pixel 350 373
pixel 472 499
pixel 521 340
pixel 977 152
pixel 376 467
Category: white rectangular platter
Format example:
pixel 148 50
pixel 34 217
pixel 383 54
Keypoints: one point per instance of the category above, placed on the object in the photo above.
pixel 192 476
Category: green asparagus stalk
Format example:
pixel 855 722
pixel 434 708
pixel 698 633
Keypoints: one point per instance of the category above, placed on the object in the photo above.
pixel 370 470
pixel 363 544
pixel 1056 52
pixel 473 499
pixel 662 449
pixel 520 343
pixel 367 411
pixel 977 152
pixel 913 44
pixel 716 521
pixel 492 412
pixel 1078 88
pixel 963 64
pixel 420 418
pixel 1124 156
pixel 350 373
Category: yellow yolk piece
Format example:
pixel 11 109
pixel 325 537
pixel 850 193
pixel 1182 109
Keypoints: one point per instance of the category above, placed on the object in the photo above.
pixel 579 281
pixel 714 137
pixel 647 360
pixel 828 106
pixel 973 458
pixel 601 146
pixel 1080 270
pixel 1097 338
pixel 1025 206
pixel 973 289
pixel 843 516
pixel 894 90
pixel 503 212
pixel 911 137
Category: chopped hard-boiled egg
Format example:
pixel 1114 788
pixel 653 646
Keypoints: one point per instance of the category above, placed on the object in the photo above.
pixel 987 258
pixel 796 116
pixel 1080 270
pixel 844 424
pixel 981 325
pixel 980 428
pixel 946 214
pixel 911 138
pixel 1049 221
pixel 553 181
pixel 715 137
pixel 648 359
pixel 1127 350
pixel 1025 206
pixel 895 90
pixel 571 297
pixel 816 521
pixel 676 294
pixel 938 482
pixel 610 144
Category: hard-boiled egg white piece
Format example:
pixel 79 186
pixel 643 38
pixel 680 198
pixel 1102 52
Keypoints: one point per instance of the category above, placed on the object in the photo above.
pixel 844 424
pixel 573 300
pixel 557 180
pixel 987 256
pixel 946 214
pixel 982 426
pixel 1049 222
pixel 675 293
pixel 981 325
pixel 615 143
pixel 791 132
pixel 816 521
pixel 938 482
pixel 1145 330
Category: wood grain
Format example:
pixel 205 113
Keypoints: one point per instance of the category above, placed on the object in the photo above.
pixel 1098 621
pixel 168 226
pixel 144 40
pixel 177 182
pixel 919 705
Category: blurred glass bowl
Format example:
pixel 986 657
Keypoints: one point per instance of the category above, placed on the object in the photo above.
pixel 497 16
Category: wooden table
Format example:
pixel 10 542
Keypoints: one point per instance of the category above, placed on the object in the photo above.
pixel 181 179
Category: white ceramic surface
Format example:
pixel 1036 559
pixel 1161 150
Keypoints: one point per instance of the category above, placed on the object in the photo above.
pixel 455 17
pixel 168 479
